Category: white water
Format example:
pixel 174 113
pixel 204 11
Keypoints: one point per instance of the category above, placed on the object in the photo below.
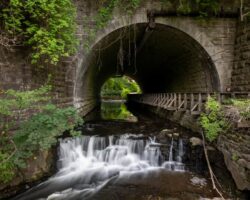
pixel 88 163
pixel 175 165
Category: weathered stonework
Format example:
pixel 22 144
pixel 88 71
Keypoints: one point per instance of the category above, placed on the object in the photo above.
pixel 241 68
pixel 234 145
pixel 235 148
pixel 77 79
pixel 215 37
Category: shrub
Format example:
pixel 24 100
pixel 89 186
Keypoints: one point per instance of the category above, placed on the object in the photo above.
pixel 38 132
pixel 212 121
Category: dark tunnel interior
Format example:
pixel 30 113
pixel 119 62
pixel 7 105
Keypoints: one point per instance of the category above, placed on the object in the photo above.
pixel 159 59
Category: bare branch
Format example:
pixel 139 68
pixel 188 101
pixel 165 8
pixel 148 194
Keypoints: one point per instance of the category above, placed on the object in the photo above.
pixel 212 175
pixel 12 154
pixel 242 15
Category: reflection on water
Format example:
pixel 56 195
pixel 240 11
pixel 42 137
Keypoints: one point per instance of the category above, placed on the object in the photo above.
pixel 116 110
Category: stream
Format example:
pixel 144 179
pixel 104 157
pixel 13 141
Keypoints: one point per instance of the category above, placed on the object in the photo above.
pixel 121 156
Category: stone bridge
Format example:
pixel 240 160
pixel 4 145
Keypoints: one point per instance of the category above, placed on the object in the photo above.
pixel 163 52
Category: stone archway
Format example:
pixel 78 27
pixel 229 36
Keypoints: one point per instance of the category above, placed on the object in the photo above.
pixel 186 35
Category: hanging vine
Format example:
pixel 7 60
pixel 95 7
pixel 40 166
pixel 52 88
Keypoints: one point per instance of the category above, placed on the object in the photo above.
pixel 135 50
pixel 104 15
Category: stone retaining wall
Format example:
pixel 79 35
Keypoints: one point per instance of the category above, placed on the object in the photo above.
pixel 241 68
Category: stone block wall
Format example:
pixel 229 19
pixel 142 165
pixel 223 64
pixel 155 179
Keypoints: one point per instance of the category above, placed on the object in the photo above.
pixel 69 77
pixel 241 68
pixel 194 77
pixel 17 73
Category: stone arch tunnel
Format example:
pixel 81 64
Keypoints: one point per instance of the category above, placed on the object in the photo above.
pixel 159 58
pixel 177 53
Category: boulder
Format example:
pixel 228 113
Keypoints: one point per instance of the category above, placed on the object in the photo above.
pixel 166 131
pixel 195 141
pixel 37 167
pixel 235 149
pixel 176 135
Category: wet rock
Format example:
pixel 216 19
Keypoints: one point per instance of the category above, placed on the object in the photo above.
pixel 38 167
pixel 198 181
pixel 151 197
pixel 216 198
pixel 176 135
pixel 166 131
pixel 210 148
pixel 195 141
pixel 244 163
pixel 235 148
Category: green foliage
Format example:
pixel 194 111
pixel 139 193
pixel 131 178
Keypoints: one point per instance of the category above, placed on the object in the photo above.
pixel 184 7
pixel 130 5
pixel 213 121
pixel 48 26
pixel 20 100
pixel 207 7
pixel 107 7
pixel 115 111
pixel 42 129
pixel 119 87
pixel 235 157
pixel 204 7
pixel 104 15
pixel 37 133
pixel 243 105
pixel 6 168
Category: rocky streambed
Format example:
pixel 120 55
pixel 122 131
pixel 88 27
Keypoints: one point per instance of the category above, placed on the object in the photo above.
pixel 165 161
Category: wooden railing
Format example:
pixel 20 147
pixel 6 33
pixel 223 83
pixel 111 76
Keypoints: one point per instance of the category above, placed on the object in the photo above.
pixel 193 102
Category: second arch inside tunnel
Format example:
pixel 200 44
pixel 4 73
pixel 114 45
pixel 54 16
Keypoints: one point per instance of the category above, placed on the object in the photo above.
pixel 160 59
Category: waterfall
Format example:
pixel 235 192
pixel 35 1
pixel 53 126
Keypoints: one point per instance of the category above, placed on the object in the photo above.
pixel 175 165
pixel 180 151
pixel 93 161
pixel 171 151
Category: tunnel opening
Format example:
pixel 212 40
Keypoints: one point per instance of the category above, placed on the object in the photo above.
pixel 118 87
pixel 160 59
pixel 114 96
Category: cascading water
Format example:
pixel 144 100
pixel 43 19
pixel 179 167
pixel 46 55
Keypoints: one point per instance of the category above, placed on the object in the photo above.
pixel 86 164
pixel 175 165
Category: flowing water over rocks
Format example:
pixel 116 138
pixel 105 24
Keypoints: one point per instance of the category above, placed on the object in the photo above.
pixel 126 161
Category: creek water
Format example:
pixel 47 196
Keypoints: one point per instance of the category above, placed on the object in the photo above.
pixel 128 159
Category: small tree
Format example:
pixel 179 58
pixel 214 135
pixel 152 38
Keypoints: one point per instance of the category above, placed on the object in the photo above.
pixel 213 121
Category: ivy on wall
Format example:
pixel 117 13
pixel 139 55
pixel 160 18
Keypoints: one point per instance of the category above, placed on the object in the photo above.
pixel 104 15
pixel 205 8
pixel 47 26
pixel 185 7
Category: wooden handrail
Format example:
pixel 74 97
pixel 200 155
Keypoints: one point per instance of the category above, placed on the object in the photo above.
pixel 193 102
